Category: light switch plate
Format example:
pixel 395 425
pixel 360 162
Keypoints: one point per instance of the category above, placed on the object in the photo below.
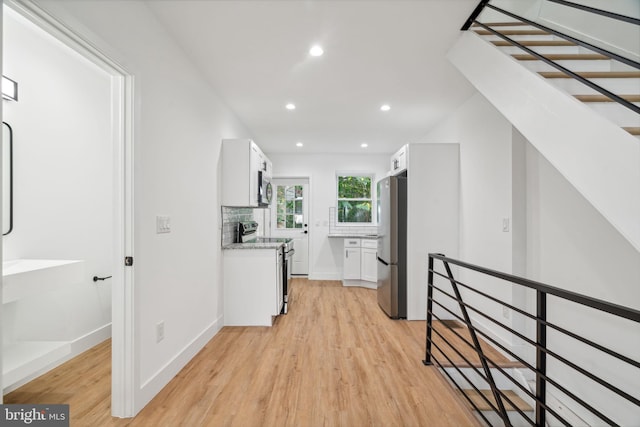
pixel 159 331
pixel 163 224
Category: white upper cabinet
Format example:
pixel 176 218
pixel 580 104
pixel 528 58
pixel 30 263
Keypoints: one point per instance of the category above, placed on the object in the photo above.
pixel 399 161
pixel 242 159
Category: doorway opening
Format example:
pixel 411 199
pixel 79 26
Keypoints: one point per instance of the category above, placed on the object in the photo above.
pixel 72 139
pixel 290 218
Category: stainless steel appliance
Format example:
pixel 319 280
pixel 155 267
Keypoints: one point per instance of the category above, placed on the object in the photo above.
pixel 265 191
pixel 288 251
pixel 392 246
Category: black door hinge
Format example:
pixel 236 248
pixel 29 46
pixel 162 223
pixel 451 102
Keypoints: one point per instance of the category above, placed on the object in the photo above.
pixel 128 261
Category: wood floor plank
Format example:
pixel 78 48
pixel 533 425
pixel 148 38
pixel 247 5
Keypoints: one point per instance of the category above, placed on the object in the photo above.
pixel 335 359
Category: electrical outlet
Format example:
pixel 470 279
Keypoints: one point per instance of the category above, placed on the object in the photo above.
pixel 505 225
pixel 159 331
pixel 505 312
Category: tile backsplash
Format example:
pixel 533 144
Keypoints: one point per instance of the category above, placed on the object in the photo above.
pixel 348 230
pixel 232 216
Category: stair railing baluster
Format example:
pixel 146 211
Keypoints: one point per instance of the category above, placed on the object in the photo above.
pixel 427 356
pixel 479 8
pixel 566 71
pixel 485 366
pixel 542 409
pixel 541 357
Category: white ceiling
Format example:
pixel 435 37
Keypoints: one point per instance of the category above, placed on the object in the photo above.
pixel 255 54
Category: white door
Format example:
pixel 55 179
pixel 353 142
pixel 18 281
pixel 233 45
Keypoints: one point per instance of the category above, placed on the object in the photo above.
pixel 290 218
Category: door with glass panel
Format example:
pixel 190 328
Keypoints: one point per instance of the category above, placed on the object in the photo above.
pixel 290 218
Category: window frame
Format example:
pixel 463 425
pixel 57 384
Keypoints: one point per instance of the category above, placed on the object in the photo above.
pixel 293 214
pixel 373 200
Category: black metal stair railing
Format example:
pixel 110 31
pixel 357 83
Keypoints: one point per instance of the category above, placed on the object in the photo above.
pixel 473 19
pixel 539 344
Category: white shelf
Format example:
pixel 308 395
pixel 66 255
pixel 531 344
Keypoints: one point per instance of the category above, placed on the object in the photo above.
pixel 26 358
pixel 25 277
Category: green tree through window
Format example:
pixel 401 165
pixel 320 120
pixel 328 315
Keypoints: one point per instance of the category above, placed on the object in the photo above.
pixel 354 199
pixel 289 200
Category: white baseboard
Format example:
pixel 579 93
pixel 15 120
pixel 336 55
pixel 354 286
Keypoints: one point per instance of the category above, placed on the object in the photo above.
pixel 150 388
pixel 76 347
pixel 90 340
pixel 325 276
pixel 360 283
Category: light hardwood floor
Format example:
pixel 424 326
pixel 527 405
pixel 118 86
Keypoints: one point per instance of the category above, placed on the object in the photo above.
pixel 334 360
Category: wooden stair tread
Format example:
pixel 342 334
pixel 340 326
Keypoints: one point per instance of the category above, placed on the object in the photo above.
pixel 535 43
pixel 514 32
pixel 632 130
pixel 482 405
pixel 563 56
pixel 470 354
pixel 604 98
pixel 593 74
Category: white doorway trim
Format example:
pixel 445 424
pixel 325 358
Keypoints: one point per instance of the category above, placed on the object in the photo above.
pixel 124 368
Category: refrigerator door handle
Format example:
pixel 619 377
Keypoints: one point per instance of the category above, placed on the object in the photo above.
pixel 383 261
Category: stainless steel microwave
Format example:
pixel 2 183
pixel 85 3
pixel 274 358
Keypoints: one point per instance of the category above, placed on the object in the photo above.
pixel 265 192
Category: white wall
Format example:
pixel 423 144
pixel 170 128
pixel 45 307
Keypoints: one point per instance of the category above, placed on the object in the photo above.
pixel 485 193
pixel 62 171
pixel 179 124
pixel 571 245
pixel 527 9
pixel 325 254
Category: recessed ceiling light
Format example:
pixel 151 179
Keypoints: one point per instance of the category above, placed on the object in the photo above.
pixel 290 106
pixel 364 145
pixel 299 144
pixel 316 51
pixel 385 107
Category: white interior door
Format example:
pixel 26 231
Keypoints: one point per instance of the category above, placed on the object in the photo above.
pixel 290 218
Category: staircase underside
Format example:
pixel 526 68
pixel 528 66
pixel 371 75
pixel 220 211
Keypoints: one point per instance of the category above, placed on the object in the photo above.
pixel 600 159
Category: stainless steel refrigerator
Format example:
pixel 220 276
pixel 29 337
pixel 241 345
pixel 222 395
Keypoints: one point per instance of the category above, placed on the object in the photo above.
pixel 392 246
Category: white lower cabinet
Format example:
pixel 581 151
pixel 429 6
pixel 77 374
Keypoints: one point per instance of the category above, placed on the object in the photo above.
pixel 360 266
pixel 369 264
pixel 351 264
pixel 252 286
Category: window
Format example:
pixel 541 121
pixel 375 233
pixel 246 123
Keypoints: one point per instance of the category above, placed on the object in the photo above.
pixel 355 198
pixel 289 199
